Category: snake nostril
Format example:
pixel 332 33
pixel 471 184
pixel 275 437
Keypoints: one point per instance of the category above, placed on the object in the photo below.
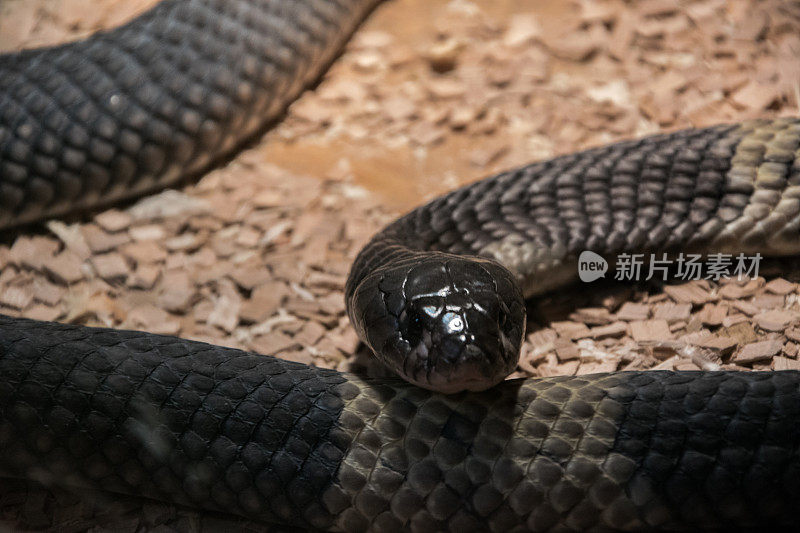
pixel 450 351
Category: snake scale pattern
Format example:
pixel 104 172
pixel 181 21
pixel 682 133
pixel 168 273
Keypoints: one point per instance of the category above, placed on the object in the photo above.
pixel 181 87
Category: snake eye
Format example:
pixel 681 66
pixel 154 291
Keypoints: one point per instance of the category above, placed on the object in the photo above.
pixel 411 326
pixel 502 318
pixel 505 321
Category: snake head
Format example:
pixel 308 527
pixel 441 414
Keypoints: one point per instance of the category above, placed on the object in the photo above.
pixel 444 322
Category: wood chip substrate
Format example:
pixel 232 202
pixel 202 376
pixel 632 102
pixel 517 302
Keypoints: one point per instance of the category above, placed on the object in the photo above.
pixel 427 96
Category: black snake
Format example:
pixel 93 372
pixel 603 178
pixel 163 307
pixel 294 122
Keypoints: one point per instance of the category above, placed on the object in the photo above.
pixel 177 89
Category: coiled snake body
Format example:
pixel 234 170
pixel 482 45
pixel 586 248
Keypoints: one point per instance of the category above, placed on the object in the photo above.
pixel 129 111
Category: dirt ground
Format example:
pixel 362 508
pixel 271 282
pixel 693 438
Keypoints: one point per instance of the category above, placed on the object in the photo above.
pixel 428 95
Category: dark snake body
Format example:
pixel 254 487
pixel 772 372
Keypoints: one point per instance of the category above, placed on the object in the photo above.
pixel 225 430
pixel 129 111
pixel 134 110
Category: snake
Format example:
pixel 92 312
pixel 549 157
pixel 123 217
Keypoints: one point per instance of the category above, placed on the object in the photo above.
pixel 438 295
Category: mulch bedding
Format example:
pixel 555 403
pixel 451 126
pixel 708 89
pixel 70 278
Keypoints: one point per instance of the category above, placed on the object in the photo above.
pixel 425 97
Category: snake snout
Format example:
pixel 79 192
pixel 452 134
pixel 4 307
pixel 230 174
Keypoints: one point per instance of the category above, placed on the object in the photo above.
pixel 443 322
pixel 461 327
